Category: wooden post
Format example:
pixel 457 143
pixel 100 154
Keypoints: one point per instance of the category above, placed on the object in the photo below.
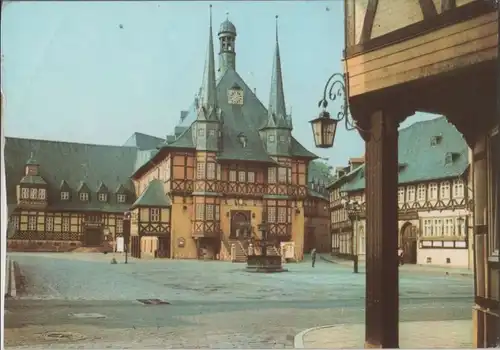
pixel 382 278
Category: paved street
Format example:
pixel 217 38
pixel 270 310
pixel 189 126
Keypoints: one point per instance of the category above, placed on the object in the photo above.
pixel 93 304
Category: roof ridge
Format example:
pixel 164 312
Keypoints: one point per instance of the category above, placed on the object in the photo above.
pixel 68 142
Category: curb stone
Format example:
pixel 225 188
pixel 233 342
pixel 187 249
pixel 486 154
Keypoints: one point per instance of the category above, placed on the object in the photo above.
pixel 449 272
pixel 298 340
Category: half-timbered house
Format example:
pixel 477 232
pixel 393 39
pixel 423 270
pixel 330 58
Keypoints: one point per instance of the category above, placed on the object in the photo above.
pixel 433 199
pixel 230 171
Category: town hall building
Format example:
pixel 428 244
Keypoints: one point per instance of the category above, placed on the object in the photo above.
pixel 230 172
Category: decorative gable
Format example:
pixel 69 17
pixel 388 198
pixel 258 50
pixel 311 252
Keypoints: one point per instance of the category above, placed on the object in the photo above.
pixel 65 191
pixel 102 192
pixel 83 192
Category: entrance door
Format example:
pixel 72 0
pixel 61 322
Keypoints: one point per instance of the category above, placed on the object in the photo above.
pixel 240 223
pixel 409 243
pixel 120 244
pixel 93 237
pixel 163 247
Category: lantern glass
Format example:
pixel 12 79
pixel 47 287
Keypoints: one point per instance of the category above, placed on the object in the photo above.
pixel 324 128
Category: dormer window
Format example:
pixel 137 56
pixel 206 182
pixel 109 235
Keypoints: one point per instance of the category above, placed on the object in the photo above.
pixel 103 197
pixel 84 196
pixel 436 140
pixel 25 193
pixel 64 196
pixel 448 158
pixel 243 139
pixel 121 198
pixel 33 193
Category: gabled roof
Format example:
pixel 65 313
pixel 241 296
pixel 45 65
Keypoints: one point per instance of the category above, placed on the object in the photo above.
pixel 33 180
pixel 102 188
pixel 153 196
pixel 420 160
pixel 143 141
pixel 64 165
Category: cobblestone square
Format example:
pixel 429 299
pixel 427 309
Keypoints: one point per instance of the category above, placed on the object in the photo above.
pixel 212 304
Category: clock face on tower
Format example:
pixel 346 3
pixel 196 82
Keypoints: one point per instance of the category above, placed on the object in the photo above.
pixel 235 96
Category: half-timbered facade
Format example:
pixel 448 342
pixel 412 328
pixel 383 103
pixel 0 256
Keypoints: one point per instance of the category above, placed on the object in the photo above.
pixel 433 199
pixel 439 57
pixel 62 196
pixel 232 169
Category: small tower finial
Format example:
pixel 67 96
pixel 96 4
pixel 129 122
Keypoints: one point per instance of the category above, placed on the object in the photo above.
pixel 276 27
pixel 32 154
pixel 210 16
pixel 227 15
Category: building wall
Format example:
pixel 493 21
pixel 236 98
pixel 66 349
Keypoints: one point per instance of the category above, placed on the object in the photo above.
pixel 40 230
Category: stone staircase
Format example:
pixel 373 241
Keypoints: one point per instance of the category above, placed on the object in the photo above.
pixel 240 253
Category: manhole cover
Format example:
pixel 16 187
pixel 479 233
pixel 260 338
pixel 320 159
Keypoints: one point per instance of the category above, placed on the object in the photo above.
pixel 153 302
pixel 63 336
pixel 88 315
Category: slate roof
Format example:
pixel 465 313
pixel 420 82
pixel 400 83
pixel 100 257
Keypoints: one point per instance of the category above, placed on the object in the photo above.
pixel 153 196
pixel 421 161
pixel 69 166
pixel 143 141
pixel 246 119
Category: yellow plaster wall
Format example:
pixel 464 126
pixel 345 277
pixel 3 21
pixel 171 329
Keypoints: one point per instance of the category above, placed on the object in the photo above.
pixel 298 224
pixel 181 228
pixel 148 246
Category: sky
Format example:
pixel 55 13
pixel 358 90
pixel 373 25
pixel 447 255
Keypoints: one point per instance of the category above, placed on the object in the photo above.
pixel 96 72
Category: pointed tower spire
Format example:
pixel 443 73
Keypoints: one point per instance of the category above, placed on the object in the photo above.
pixel 208 98
pixel 277 107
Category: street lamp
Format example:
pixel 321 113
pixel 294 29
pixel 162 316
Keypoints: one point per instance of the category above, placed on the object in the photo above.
pixel 126 232
pixel 353 209
pixel 324 126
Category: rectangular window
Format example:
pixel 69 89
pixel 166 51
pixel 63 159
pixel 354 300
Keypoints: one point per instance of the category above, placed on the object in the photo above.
pixel 438 227
pixel 32 223
pixel 65 225
pixel 433 191
pixel 154 214
pixel 289 175
pixel 166 171
pixel 251 176
pixel 401 195
pixel 232 175
pixel 271 175
pixel 42 193
pixel 217 212
pixel 449 227
pixel 241 176
pixel 103 197
pixel 282 175
pixel 421 193
pixel 25 193
pixel 271 214
pixel 282 215
pixel 219 172
pixel 119 225
pixel 84 196
pixel 200 170
pixel 121 198
pixel 444 190
pixel 49 224
pixel 210 211
pixel 458 188
pixel 200 212
pixel 33 193
pixel 14 220
pixel 410 193
pixel 210 171
pixel 428 227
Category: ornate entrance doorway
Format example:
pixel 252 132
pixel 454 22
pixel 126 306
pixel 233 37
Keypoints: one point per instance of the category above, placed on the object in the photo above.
pixel 240 224
pixel 93 237
pixel 409 243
